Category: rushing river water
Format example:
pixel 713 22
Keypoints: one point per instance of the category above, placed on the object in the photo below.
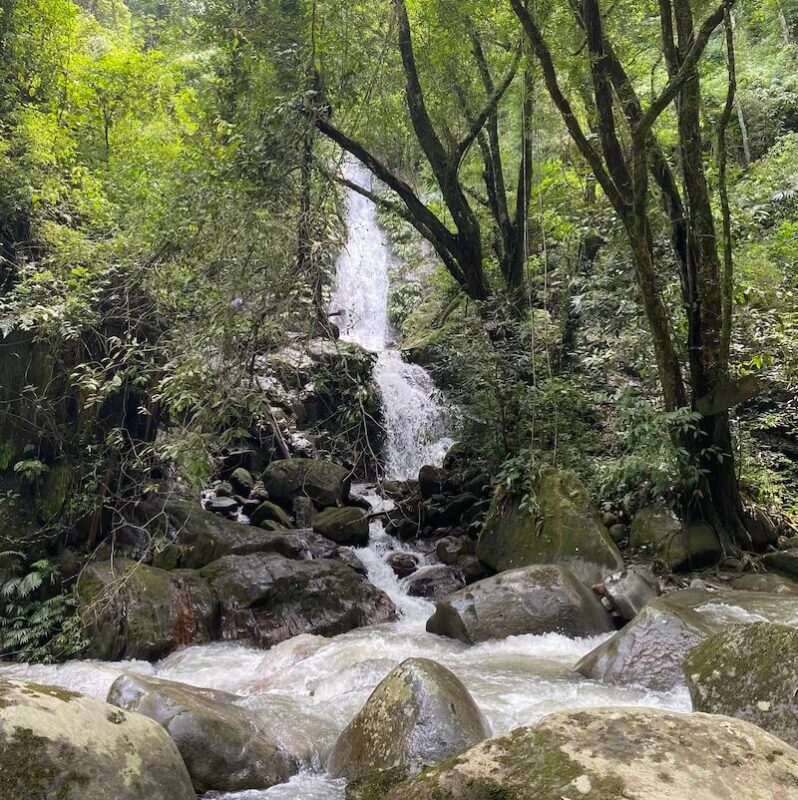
pixel 310 687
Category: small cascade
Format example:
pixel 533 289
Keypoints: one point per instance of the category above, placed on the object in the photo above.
pixel 417 424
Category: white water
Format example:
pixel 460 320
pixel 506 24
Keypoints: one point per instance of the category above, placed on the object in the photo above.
pixel 415 419
pixel 310 687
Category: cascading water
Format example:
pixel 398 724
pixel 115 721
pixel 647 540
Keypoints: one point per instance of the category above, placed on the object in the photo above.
pixel 415 419
pixel 310 687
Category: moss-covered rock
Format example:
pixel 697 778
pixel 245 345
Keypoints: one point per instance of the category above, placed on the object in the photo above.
pixel 749 672
pixel 657 533
pixel 194 538
pixel 649 650
pixel 566 529
pixel 345 526
pixel 58 745
pixel 241 481
pixel 540 599
pixel 419 715
pixel 131 610
pixel 325 483
pixel 225 747
pixel 270 512
pixel 265 598
pixel 617 754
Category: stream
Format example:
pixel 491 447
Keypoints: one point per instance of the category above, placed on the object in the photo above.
pixel 310 686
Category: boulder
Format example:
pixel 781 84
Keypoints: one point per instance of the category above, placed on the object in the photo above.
pixel 325 483
pixel 225 747
pixel 749 672
pixel 304 512
pixel 765 582
pixel 435 582
pixel 270 512
pixel 223 506
pixel 59 745
pixel 403 564
pixel 782 562
pixel 451 548
pixel 617 754
pixel 419 715
pixel 649 650
pixel 566 530
pixel 266 599
pixel 242 481
pixel 344 526
pixel 629 591
pixel 658 534
pixel 200 538
pixel 540 599
pixel 132 611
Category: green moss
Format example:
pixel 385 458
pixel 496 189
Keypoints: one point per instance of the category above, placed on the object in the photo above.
pixel 51 691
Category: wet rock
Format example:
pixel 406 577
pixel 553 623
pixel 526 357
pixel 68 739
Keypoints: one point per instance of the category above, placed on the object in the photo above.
pixel 431 481
pixel 449 550
pixel 619 533
pixel 59 745
pixel 133 611
pixel 450 512
pixel 270 512
pixel 344 526
pixel 225 747
pixel 568 530
pixel 472 569
pixel 765 582
pixel 419 715
pixel 348 556
pixel 267 599
pixel 403 564
pixel 649 650
pixel 224 506
pixel 223 489
pixel 201 537
pixel 657 533
pixel 304 512
pixel 783 562
pixel 538 599
pixel 749 672
pixel 629 591
pixel 604 754
pixel 242 481
pixel 435 582
pixel 325 483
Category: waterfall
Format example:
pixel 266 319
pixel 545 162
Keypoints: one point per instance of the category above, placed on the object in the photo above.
pixel 417 423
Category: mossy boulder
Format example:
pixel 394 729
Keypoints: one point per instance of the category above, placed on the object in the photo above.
pixel 649 650
pixel 133 611
pixel 266 599
pixel 195 538
pixel 657 533
pixel 345 526
pixel 325 483
pixel 419 715
pixel 225 747
pixel 241 481
pixel 749 672
pixel 270 512
pixel 783 562
pixel 540 599
pixel 58 745
pixel 617 754
pixel 565 529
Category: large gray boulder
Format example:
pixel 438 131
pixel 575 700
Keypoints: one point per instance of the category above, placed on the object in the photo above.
pixel 346 526
pixel 540 599
pixel 617 754
pixel 225 747
pixel 419 715
pixel 133 611
pixel 199 537
pixel 266 599
pixel 749 672
pixel 59 745
pixel 657 533
pixel 566 529
pixel 631 590
pixel 649 650
pixel 325 483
